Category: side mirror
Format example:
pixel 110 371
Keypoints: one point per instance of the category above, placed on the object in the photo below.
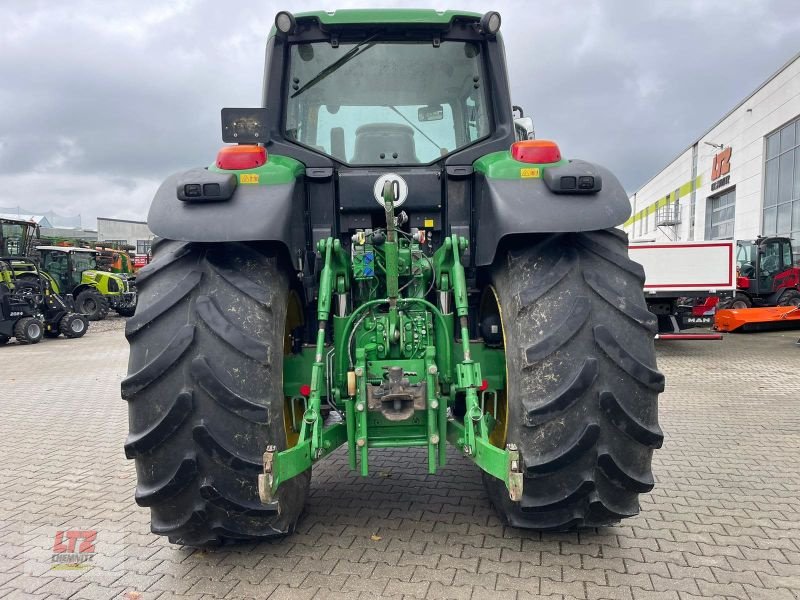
pixel 524 127
pixel 245 125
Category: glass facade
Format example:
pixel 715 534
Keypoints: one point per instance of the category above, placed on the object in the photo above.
pixel 720 216
pixel 782 185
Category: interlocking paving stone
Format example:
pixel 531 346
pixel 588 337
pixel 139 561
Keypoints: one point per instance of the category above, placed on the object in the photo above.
pixel 722 522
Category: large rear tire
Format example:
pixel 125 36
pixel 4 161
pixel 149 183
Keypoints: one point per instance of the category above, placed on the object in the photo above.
pixel 92 304
pixel 789 298
pixel 582 381
pixel 205 392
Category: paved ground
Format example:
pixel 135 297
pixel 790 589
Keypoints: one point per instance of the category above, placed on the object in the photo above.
pixel 723 521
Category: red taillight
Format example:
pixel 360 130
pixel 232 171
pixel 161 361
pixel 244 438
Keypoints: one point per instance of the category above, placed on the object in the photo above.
pixel 742 283
pixel 245 156
pixel 484 385
pixel 305 390
pixel 539 152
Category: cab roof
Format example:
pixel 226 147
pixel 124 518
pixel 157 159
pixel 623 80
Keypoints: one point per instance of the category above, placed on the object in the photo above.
pixel 371 16
pixel 66 249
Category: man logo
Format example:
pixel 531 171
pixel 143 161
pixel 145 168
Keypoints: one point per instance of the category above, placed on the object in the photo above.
pixel 722 164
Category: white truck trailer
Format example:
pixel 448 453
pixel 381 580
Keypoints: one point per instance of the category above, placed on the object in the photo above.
pixel 677 274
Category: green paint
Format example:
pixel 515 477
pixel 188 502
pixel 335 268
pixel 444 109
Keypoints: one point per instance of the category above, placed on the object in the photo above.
pixel 277 170
pixel 391 326
pixel 500 165
pixel 684 190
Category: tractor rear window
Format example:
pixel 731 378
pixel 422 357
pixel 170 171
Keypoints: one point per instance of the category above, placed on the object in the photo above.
pixel 84 261
pixel 399 103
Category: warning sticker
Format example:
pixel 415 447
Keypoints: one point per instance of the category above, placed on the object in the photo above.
pixel 530 173
pixel 248 177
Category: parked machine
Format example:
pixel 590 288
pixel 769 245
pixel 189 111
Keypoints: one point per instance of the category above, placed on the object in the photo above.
pixel 679 275
pixel 767 275
pixel 74 271
pixel 17 236
pixel 379 245
pixel 29 307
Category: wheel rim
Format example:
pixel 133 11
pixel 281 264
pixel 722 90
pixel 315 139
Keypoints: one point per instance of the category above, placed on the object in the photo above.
pixel 738 304
pixel 498 436
pixel 76 326
pixel 294 319
pixel 89 305
pixel 34 331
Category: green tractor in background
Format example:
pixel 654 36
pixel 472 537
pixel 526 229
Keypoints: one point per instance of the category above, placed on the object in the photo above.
pixel 385 260
pixel 74 271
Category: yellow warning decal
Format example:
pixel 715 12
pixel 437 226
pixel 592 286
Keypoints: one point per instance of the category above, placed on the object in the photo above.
pixel 248 177
pixel 530 173
pixel 428 222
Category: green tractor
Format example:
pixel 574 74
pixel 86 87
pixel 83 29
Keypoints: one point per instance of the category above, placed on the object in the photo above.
pixel 74 271
pixel 384 260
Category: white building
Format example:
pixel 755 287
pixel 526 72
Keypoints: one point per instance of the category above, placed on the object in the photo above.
pixel 135 234
pixel 739 180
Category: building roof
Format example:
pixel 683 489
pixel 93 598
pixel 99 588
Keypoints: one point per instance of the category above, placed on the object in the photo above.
pixel 66 249
pixel 725 116
pixel 40 220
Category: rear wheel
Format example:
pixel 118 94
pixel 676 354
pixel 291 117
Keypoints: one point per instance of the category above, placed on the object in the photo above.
pixel 789 298
pixel 29 330
pixel 93 304
pixel 739 301
pixel 73 325
pixel 205 392
pixel 582 381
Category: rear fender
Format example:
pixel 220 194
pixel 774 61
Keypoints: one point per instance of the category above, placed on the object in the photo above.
pixel 270 210
pixel 511 205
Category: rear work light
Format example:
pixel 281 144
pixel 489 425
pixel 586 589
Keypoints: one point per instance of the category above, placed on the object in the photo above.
pixel 243 156
pixel 538 152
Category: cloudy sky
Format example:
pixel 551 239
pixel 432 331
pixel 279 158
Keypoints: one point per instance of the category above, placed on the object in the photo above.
pixel 100 100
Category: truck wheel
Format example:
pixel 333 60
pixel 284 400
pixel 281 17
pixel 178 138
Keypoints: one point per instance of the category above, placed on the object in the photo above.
pixel 73 325
pixel 93 304
pixel 29 330
pixel 582 381
pixel 789 298
pixel 205 392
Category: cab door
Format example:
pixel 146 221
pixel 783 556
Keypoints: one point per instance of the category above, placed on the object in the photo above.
pixel 56 263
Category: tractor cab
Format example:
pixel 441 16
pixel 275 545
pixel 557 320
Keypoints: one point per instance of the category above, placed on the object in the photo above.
pixel 766 272
pixel 66 265
pixel 17 236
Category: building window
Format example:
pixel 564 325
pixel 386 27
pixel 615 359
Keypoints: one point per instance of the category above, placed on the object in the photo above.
pixel 142 246
pixel 782 184
pixel 114 243
pixel 720 216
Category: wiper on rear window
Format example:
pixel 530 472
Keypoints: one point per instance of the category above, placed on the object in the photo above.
pixel 356 50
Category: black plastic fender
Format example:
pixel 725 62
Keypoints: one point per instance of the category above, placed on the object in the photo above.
pixel 506 207
pixel 272 213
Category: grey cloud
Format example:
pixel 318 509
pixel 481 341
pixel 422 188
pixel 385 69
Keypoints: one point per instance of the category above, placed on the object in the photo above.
pixel 101 100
